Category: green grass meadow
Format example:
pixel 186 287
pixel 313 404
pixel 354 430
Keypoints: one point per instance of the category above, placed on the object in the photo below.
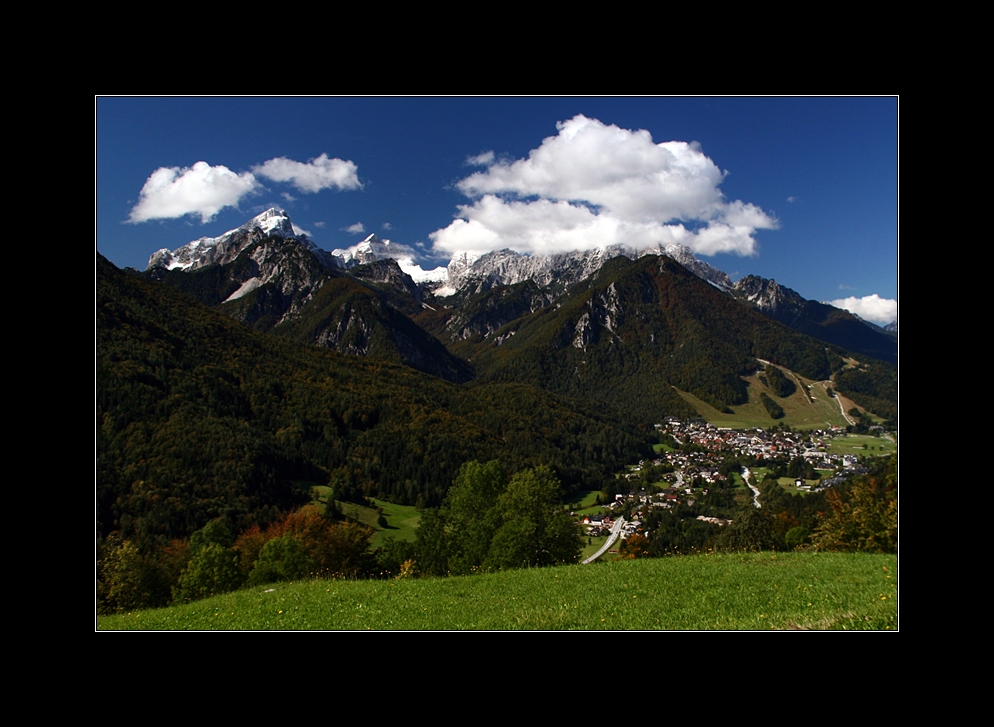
pixel 402 520
pixel 759 591
pixel 595 545
pixel 799 412
pixel 855 443
pixel 587 502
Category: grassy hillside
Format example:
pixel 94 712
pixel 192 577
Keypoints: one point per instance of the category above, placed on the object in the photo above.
pixel 810 408
pixel 759 591
pixel 402 520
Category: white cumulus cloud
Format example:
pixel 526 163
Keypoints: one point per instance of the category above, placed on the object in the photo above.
pixel 172 192
pixel 870 307
pixel 315 175
pixel 595 184
pixel 357 229
pixel 480 160
pixel 203 190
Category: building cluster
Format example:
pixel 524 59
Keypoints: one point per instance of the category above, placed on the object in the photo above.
pixel 762 444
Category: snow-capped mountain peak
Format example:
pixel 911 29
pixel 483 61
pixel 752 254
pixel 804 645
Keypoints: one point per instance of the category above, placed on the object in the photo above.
pixel 274 222
pixel 507 267
pixel 500 267
pixel 373 248
pixel 369 250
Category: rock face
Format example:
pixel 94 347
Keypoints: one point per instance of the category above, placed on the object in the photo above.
pixel 466 273
pixel 268 277
pixel 387 272
pixel 767 295
pixel 225 248
pixel 484 314
pixel 470 274
pixel 279 278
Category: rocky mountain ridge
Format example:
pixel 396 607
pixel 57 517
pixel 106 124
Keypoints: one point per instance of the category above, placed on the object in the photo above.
pixel 818 320
pixel 465 272
pixel 272 273
pixel 272 279
pixel 225 248
pixel 558 271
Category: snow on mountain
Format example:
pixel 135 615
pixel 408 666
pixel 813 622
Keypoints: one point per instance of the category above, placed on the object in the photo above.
pixel 373 248
pixel 500 267
pixel 271 223
pixel 506 267
pixel 768 295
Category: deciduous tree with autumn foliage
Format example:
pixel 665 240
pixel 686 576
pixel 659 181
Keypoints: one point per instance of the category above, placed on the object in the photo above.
pixel 863 516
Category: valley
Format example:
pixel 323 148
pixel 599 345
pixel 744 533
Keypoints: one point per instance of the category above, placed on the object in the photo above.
pixel 496 363
pixel 243 377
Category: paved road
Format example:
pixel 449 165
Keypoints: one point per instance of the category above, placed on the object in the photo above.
pixel 615 532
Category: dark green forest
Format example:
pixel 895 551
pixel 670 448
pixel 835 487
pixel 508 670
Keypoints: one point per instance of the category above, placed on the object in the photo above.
pixel 199 418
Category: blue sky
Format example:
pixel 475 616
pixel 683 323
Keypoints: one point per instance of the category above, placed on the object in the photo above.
pixel 802 190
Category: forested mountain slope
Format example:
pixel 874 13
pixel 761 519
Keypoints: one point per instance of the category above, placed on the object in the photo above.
pixel 620 333
pixel 282 286
pixel 629 334
pixel 818 320
pixel 199 417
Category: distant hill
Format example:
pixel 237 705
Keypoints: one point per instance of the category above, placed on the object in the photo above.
pixel 280 285
pixel 611 327
pixel 818 320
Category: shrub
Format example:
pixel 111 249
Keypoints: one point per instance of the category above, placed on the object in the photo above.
pixel 213 569
pixel 282 559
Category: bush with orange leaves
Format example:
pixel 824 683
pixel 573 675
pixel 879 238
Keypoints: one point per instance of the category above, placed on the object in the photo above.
pixel 635 546
pixel 337 549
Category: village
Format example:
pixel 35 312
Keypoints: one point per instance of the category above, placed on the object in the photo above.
pixel 695 456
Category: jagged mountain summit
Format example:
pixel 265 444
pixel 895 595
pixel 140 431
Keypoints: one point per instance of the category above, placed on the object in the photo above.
pixel 767 295
pixel 272 279
pixel 465 271
pixel 279 272
pixel 373 249
pixel 224 248
pixel 275 222
pixel 475 274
